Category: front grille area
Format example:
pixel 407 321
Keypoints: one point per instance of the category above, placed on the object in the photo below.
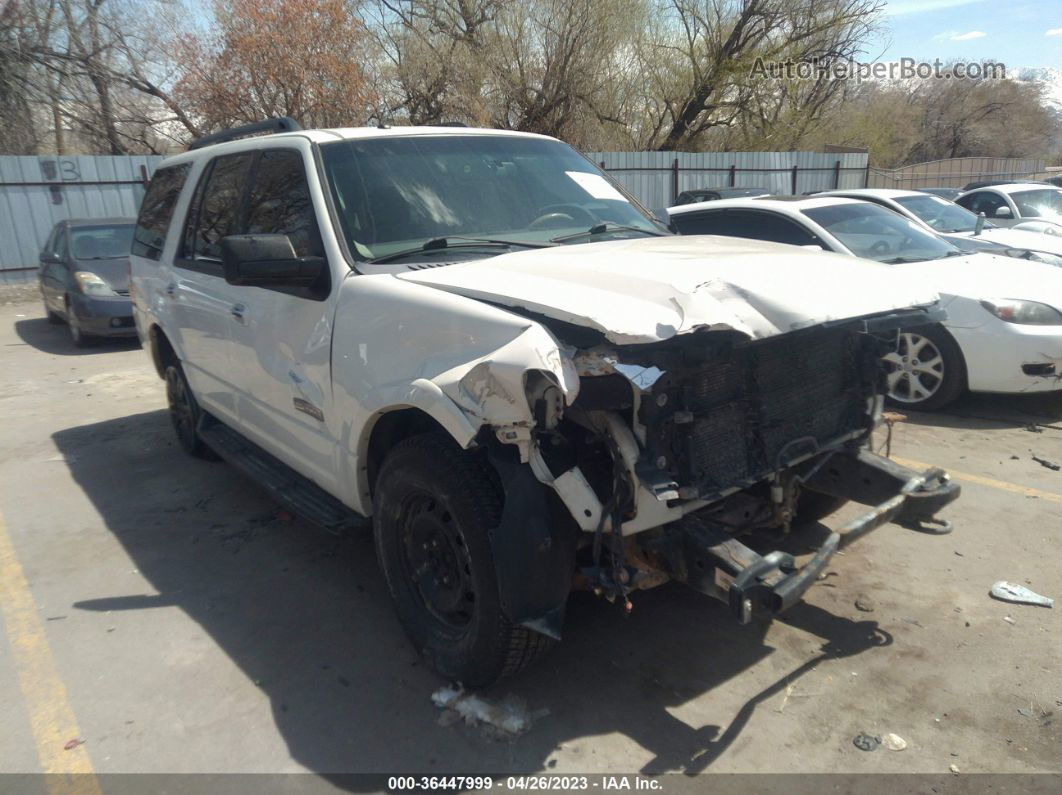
pixel 747 409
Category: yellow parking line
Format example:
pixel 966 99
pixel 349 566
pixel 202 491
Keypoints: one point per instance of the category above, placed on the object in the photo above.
pixel 52 720
pixel 1002 485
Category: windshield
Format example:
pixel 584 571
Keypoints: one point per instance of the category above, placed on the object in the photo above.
pixel 870 231
pixel 101 242
pixel 943 216
pixel 396 194
pixel 1044 203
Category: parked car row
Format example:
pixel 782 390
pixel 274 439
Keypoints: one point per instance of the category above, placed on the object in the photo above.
pixel 1004 327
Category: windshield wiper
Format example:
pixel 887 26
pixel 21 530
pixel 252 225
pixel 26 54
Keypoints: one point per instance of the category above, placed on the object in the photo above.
pixel 439 243
pixel 607 226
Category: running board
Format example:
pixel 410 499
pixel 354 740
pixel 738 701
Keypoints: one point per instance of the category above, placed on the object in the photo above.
pixel 296 493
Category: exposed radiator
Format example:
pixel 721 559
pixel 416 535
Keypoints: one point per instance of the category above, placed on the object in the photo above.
pixel 745 411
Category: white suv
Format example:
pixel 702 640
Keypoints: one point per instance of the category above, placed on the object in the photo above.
pixel 477 341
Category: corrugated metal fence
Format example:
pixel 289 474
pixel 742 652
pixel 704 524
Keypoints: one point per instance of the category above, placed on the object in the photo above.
pixel 656 178
pixel 37 192
pixel 955 172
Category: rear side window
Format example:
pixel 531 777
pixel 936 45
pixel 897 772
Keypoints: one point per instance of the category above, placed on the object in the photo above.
pixel 752 225
pixel 983 202
pixel 280 201
pixel 156 211
pixel 702 223
pixel 217 214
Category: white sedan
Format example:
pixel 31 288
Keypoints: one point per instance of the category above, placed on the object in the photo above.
pixel 1004 327
pixel 959 225
pixel 1022 205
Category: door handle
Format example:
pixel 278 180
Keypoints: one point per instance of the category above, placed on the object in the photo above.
pixel 237 311
pixel 171 290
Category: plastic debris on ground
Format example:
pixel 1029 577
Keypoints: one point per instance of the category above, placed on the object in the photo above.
pixel 510 716
pixel 72 744
pixel 893 742
pixel 864 604
pixel 1011 592
pixel 1046 463
pixel 866 742
pixel 953 768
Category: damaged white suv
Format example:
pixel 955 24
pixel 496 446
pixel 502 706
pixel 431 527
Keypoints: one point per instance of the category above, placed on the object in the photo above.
pixel 478 341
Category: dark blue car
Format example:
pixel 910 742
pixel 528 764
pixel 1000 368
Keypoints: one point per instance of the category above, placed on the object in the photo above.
pixel 84 277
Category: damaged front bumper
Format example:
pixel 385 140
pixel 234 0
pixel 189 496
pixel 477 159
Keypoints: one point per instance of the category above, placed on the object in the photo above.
pixel 711 560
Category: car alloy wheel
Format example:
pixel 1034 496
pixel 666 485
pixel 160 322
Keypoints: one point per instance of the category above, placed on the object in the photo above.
pixel 917 369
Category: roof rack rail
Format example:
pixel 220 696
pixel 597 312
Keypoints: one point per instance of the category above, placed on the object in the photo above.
pixel 451 124
pixel 279 124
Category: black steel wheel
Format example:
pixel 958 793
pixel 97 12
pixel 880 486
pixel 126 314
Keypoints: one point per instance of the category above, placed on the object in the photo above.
pixel 434 507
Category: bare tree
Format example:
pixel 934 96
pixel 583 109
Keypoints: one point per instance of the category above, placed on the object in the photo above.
pixel 700 61
pixel 299 58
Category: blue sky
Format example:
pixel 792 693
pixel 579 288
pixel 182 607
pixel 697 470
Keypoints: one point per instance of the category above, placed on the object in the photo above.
pixel 1012 31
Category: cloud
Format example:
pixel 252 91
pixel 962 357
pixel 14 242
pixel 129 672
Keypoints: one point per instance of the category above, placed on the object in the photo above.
pixel 954 35
pixel 897 8
pixel 1054 32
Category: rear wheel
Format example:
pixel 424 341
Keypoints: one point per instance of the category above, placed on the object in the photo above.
pixel 435 505
pixel 185 413
pixel 927 370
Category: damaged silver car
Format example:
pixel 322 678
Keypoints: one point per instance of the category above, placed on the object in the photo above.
pixel 476 341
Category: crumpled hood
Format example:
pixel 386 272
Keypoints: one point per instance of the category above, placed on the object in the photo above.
pixel 650 289
pixel 1017 238
pixel 981 276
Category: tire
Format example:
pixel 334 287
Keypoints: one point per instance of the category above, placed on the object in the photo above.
pixel 811 506
pixel 435 505
pixel 77 336
pixel 53 317
pixel 926 384
pixel 185 413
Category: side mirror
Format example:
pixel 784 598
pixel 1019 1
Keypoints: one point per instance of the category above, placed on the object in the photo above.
pixel 50 258
pixel 1003 212
pixel 267 261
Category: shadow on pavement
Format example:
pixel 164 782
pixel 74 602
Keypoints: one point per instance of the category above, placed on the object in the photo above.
pixel 985 411
pixel 55 339
pixel 307 617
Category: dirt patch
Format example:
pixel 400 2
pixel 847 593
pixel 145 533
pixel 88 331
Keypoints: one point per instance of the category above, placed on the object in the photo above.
pixel 11 294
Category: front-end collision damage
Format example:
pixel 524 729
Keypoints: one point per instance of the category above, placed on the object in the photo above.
pixel 706 435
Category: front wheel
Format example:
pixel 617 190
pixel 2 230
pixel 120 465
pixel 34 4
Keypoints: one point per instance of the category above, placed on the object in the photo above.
pixel 927 370
pixel 53 317
pixel 434 507
pixel 77 336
